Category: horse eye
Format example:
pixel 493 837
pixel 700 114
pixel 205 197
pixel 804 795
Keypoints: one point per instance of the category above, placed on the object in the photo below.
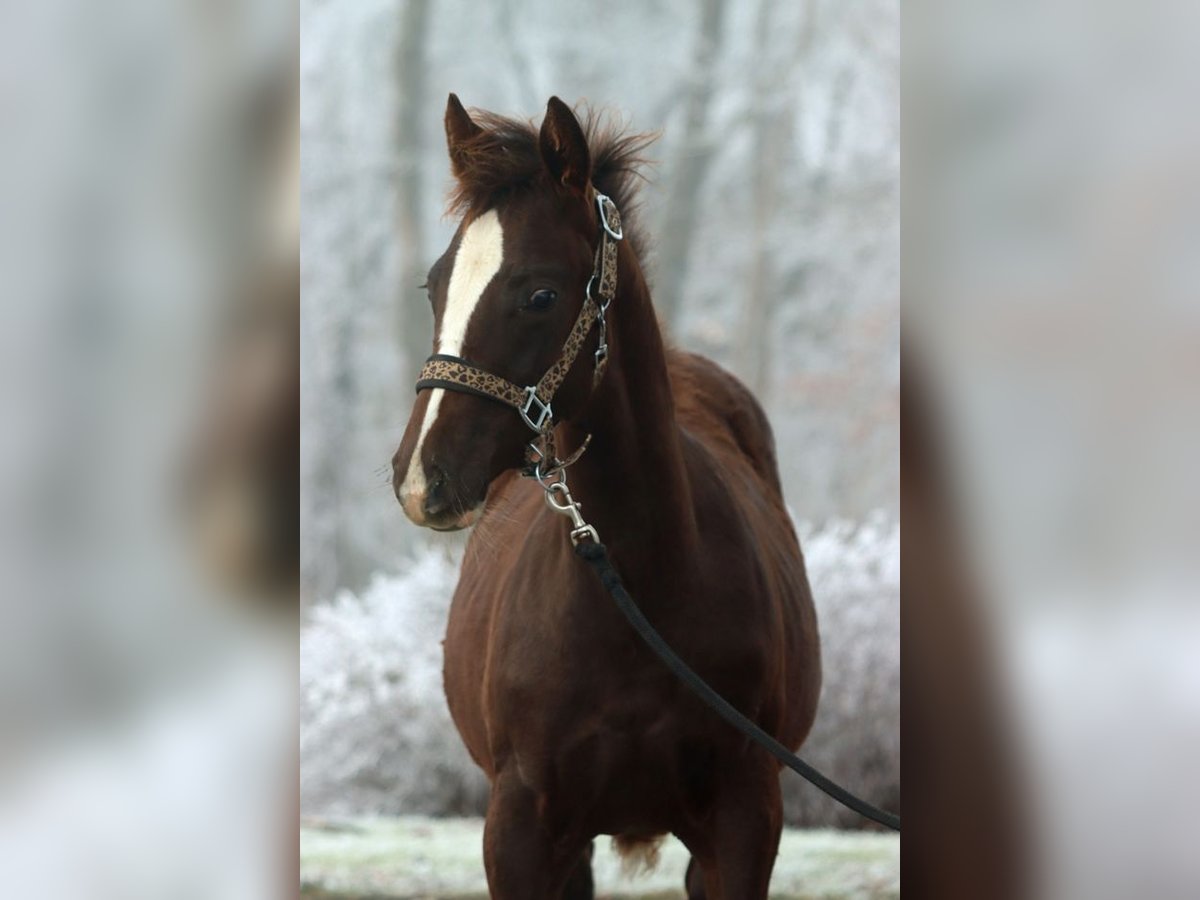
pixel 542 300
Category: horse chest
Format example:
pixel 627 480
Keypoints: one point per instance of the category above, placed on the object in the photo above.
pixel 631 752
pixel 584 701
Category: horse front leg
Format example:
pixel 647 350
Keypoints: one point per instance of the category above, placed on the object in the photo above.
pixel 734 855
pixel 748 824
pixel 525 857
pixel 579 882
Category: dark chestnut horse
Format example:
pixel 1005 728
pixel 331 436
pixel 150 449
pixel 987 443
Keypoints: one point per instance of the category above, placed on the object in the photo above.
pixel 582 731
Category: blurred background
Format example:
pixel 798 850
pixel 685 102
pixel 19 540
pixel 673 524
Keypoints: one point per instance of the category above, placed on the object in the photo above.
pixel 149 242
pixel 149 228
pixel 773 216
pixel 1052 342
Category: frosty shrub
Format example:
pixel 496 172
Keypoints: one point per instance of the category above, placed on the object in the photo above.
pixel 376 736
pixel 855 576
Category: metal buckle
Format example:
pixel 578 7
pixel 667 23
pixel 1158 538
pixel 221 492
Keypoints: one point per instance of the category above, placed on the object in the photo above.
pixel 543 410
pixel 602 204
pixel 602 347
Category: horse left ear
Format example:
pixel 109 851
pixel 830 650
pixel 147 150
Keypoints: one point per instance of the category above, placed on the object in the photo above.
pixel 564 146
pixel 460 129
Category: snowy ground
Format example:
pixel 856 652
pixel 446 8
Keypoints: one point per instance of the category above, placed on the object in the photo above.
pixel 439 859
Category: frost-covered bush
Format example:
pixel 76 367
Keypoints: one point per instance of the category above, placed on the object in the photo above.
pixel 376 736
pixel 854 572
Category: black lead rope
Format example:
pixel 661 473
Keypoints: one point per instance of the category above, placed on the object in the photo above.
pixel 596 554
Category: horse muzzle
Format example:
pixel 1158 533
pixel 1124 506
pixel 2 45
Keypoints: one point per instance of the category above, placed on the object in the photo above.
pixel 431 500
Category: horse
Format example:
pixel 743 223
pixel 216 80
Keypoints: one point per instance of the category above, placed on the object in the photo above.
pixel 580 730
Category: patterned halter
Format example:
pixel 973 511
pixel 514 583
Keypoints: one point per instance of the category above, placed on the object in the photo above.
pixel 533 402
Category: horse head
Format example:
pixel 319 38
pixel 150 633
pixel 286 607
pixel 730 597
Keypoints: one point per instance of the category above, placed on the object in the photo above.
pixel 505 295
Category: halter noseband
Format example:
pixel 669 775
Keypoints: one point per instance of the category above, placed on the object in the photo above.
pixel 532 402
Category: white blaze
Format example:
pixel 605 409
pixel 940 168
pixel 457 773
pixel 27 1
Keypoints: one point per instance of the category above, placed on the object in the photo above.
pixel 478 259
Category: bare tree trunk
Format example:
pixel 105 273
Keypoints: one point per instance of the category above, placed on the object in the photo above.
pixel 414 322
pixel 691 165
pixel 773 117
pixel 522 72
pixel 754 350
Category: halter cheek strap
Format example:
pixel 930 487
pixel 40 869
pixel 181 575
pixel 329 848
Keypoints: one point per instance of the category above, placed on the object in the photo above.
pixel 533 402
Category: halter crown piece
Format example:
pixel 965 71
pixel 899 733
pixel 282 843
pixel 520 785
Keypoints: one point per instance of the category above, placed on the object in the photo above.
pixel 532 402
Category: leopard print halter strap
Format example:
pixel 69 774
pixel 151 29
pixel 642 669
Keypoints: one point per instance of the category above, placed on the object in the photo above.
pixel 533 402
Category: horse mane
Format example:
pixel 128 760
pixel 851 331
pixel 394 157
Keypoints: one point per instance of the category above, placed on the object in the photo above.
pixel 504 157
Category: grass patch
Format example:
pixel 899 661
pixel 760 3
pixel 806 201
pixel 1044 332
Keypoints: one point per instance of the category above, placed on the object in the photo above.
pixel 441 859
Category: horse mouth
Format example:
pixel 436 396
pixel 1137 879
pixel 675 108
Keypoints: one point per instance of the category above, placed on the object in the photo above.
pixel 454 521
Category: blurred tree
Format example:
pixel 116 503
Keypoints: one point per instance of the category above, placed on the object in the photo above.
pixel 528 95
pixel 772 111
pixel 414 321
pixel 696 149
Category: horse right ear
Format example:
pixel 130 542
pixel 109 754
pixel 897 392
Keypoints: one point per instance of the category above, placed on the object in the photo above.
pixel 459 130
pixel 564 146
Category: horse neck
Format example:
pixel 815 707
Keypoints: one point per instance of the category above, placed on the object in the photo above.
pixel 632 480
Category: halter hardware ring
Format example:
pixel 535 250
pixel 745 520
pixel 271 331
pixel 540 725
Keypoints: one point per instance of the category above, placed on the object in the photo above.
pixel 602 303
pixel 544 412
pixel 544 478
pixel 602 204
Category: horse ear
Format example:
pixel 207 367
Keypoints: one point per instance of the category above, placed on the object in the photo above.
pixel 564 146
pixel 459 129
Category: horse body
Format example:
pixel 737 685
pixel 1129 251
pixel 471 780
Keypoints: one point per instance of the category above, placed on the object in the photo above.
pixel 544 677
pixel 580 729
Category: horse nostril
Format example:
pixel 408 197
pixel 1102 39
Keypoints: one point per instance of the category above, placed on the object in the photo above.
pixel 436 501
